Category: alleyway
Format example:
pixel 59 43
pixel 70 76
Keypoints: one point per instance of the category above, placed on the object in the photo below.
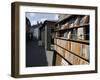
pixel 35 55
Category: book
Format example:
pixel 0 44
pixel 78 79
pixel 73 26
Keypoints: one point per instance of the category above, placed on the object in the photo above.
pixel 84 20
pixel 55 41
pixel 58 42
pixel 68 56
pixel 62 27
pixel 75 48
pixel 77 22
pixel 83 62
pixel 58 27
pixel 65 34
pixel 58 60
pixel 62 43
pixel 76 60
pixel 69 35
pixel 80 34
pixel 85 52
pixel 71 25
pixel 66 25
pixel 74 34
pixel 68 45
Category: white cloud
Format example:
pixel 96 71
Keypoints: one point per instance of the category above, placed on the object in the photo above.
pixel 32 14
pixel 56 17
pixel 43 19
pixel 33 22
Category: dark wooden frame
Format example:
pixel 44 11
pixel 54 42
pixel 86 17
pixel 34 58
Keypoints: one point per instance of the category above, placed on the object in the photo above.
pixel 15 39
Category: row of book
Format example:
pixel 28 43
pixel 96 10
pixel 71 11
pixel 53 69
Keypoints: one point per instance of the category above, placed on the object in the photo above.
pixel 75 60
pixel 75 22
pixel 77 48
pixel 60 61
pixel 76 34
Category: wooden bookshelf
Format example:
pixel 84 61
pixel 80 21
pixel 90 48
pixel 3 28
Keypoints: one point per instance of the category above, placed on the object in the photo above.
pixel 71 41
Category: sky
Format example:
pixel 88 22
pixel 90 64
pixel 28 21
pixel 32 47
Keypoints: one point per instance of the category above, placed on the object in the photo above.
pixel 41 17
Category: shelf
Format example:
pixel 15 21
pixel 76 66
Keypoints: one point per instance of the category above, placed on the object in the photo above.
pixel 73 53
pixel 74 27
pixel 78 41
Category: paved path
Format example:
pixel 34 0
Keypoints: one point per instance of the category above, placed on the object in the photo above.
pixel 35 55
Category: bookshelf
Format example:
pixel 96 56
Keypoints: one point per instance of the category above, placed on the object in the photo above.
pixel 71 40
